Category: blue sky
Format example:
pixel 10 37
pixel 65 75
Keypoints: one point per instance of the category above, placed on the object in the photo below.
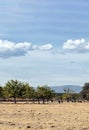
pixel 44 41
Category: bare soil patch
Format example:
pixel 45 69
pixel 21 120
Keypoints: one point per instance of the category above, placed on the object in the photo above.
pixel 54 116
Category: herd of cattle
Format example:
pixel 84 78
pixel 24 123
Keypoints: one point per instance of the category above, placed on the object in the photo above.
pixel 45 101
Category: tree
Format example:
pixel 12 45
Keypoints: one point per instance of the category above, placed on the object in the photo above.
pixel 67 95
pixel 1 92
pixel 12 89
pixel 85 91
pixel 26 91
pixel 44 93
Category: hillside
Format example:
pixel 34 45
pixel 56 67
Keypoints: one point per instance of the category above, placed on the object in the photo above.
pixel 60 89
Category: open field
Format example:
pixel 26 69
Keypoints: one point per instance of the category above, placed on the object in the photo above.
pixel 54 116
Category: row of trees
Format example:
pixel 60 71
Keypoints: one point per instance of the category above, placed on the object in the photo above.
pixel 15 90
pixel 70 95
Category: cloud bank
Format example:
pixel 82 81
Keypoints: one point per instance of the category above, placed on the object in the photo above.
pixel 79 45
pixel 9 48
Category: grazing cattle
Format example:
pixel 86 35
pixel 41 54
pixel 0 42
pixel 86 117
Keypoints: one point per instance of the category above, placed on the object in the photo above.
pixel 59 101
pixel 73 100
pixel 80 101
pixel 51 100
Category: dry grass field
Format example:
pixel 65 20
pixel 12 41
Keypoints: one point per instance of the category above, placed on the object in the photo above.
pixel 53 116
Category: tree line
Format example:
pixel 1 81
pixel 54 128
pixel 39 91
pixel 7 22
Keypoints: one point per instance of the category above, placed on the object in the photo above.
pixel 15 91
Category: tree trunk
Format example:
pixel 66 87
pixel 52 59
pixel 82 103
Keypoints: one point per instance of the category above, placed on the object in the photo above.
pixel 15 100
pixel 43 101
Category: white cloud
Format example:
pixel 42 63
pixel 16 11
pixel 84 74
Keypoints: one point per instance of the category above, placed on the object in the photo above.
pixel 9 48
pixel 46 47
pixel 79 44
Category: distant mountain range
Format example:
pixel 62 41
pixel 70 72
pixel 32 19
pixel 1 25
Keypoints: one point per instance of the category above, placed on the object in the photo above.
pixel 60 89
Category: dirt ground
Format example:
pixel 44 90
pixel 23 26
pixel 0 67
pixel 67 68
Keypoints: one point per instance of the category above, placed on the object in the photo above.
pixel 53 116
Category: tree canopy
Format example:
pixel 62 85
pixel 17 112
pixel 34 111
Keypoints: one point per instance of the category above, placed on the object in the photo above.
pixel 85 91
pixel 44 93
pixel 16 89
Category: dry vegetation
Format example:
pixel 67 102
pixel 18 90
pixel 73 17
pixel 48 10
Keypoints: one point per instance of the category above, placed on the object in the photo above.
pixel 53 116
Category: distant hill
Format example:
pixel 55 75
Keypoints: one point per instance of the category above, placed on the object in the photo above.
pixel 60 89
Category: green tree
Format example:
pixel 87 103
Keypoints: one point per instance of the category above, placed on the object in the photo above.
pixel 67 95
pixel 85 92
pixel 44 93
pixel 26 91
pixel 12 88
pixel 1 92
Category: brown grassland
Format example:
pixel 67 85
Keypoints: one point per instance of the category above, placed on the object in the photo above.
pixel 52 116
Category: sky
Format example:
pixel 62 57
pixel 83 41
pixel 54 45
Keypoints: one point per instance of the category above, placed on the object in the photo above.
pixel 44 42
